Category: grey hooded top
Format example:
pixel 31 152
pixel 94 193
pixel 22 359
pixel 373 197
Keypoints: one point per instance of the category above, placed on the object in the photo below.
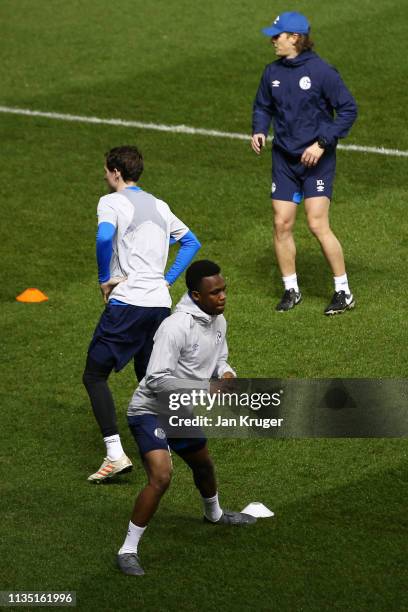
pixel 189 348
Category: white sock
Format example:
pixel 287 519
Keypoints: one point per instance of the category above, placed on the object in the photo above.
pixel 212 508
pixel 290 282
pixel 114 449
pixel 132 539
pixel 341 283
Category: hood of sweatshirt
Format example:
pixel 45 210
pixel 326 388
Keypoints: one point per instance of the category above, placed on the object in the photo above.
pixel 187 304
pixel 299 60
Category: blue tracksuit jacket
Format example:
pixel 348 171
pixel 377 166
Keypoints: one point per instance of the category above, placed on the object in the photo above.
pixel 300 96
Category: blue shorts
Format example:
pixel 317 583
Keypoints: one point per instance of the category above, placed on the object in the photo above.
pixel 292 181
pixel 149 433
pixel 124 332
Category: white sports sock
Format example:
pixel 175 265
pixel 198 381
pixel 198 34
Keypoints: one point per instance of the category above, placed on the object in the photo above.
pixel 341 283
pixel 290 282
pixel 212 508
pixel 132 539
pixel 114 449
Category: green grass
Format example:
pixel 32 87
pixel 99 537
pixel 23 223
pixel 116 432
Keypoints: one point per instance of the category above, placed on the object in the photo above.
pixel 338 538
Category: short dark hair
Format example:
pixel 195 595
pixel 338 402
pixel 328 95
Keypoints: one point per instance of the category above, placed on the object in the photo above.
pixel 199 270
pixel 128 160
pixel 304 43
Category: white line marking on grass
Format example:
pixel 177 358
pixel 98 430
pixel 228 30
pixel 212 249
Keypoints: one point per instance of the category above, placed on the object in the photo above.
pixel 177 129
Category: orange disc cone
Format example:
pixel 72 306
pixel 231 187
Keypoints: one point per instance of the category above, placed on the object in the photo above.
pixel 32 295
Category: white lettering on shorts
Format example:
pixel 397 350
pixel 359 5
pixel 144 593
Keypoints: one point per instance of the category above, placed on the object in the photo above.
pixel 320 185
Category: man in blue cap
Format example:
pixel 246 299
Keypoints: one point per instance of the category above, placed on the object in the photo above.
pixel 310 109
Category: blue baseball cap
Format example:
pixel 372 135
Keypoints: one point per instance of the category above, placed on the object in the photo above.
pixel 288 22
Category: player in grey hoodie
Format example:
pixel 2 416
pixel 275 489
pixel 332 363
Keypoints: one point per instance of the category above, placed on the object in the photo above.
pixel 189 349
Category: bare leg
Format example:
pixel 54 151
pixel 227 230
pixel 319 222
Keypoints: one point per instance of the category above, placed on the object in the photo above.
pixel 202 467
pixel 285 249
pixel 204 478
pixel 157 464
pixel 317 211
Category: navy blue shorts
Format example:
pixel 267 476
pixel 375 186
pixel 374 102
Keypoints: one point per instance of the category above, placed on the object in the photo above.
pixel 292 181
pixel 126 332
pixel 150 435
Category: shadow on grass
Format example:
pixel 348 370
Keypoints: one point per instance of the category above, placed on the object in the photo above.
pixel 344 548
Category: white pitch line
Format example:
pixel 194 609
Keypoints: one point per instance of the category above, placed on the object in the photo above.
pixel 176 129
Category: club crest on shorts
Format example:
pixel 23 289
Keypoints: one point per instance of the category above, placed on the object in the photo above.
pixel 273 189
pixel 305 83
pixel 160 433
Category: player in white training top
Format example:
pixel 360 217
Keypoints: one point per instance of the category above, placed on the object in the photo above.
pixel 134 232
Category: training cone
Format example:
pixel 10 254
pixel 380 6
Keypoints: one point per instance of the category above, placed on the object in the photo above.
pixel 258 510
pixel 32 295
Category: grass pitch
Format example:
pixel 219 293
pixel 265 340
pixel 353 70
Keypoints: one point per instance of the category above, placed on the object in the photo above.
pixel 338 540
